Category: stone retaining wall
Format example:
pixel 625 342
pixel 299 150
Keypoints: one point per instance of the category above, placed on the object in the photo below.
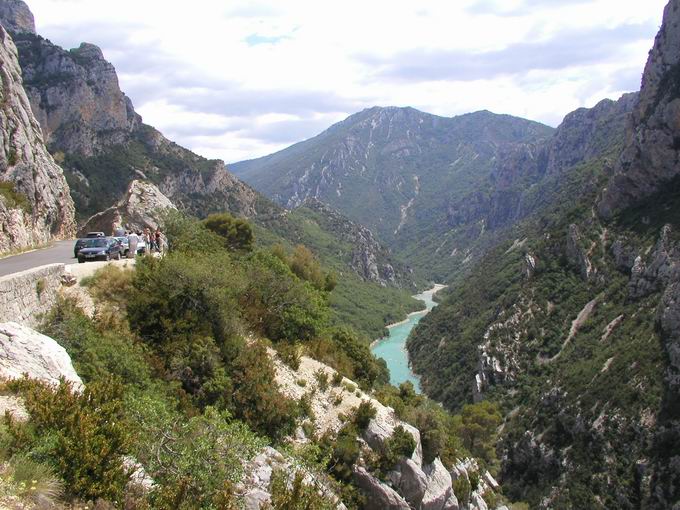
pixel 26 296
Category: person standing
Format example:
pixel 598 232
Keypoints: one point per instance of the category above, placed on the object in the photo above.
pixel 133 240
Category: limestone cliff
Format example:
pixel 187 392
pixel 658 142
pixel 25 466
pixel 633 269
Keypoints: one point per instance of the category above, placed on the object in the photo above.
pixel 17 17
pixel 35 205
pixel 649 160
pixel 75 96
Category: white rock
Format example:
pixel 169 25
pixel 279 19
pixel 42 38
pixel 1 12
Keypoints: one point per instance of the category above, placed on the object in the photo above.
pixel 25 351
pixel 379 496
pixel 439 493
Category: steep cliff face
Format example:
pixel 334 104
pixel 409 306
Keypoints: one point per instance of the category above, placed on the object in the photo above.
pixel 649 160
pixel 75 96
pixel 17 17
pixel 35 205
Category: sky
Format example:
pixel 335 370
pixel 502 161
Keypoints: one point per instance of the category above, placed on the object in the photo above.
pixel 240 79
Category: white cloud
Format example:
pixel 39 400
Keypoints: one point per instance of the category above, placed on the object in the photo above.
pixel 240 79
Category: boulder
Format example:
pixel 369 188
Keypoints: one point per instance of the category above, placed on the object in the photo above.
pixel 439 492
pixel 379 496
pixel 141 207
pixel 412 483
pixel 25 351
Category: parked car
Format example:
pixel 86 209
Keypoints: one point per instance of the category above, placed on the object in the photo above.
pixel 80 242
pixel 124 245
pixel 99 248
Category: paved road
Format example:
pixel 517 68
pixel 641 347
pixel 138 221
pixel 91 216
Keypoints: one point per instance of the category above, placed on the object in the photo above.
pixel 60 252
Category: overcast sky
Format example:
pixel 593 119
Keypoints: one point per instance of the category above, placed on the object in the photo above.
pixel 240 79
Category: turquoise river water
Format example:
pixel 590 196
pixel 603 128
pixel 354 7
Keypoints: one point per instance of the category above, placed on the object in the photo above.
pixel 393 347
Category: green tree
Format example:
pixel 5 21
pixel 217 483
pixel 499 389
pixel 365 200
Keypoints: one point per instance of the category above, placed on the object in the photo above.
pixel 477 426
pixel 237 234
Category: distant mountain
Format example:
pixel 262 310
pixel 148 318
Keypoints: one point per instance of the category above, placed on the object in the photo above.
pixel 439 191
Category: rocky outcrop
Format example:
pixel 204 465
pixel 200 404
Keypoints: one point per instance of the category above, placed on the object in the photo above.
pixel 371 260
pixel 35 205
pixel 577 253
pixel 142 206
pixel 649 160
pixel 651 274
pixel 16 17
pixel 24 351
pixel 587 133
pixel 379 496
pixel 75 96
pixel 255 486
pixel 411 484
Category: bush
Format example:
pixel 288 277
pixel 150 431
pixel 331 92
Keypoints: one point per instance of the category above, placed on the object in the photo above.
pixel 35 481
pixel 322 379
pixel 363 415
pixel 294 494
pixel 97 351
pixel 237 234
pixel 343 452
pixel 256 397
pixel 83 435
pixel 195 461
pixel 399 445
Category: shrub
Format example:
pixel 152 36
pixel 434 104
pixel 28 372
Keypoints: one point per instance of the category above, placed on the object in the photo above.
pixel 289 353
pixel 363 415
pixel 83 435
pixel 195 461
pixel 13 198
pixel 256 397
pixel 344 452
pixel 292 493
pixel 97 351
pixel 337 379
pixel 462 489
pixel 237 234
pixel 322 379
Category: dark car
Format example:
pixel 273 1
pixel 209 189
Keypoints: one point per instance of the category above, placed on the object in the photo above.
pixel 100 248
pixel 80 242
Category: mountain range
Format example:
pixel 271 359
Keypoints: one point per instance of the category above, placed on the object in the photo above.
pixel 560 247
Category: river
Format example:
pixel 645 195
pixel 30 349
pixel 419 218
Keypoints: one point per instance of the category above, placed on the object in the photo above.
pixel 393 347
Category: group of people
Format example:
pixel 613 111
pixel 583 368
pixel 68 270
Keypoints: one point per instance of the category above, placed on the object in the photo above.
pixel 153 241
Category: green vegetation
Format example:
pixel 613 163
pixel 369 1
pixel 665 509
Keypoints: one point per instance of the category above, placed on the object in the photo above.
pixel 14 199
pixel 587 399
pixel 236 232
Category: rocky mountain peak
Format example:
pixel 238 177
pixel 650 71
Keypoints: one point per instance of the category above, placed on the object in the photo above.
pixel 649 158
pixel 75 96
pixel 16 17
pixel 88 51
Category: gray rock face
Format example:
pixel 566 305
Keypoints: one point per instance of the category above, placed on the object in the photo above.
pixel 75 96
pixel 25 351
pixel 585 133
pixel 15 16
pixel 650 155
pixel 662 267
pixel 38 208
pixel 379 495
pixel 412 483
pixel 577 254
pixel 439 493
pixel 256 482
pixel 141 207
pixel 624 255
